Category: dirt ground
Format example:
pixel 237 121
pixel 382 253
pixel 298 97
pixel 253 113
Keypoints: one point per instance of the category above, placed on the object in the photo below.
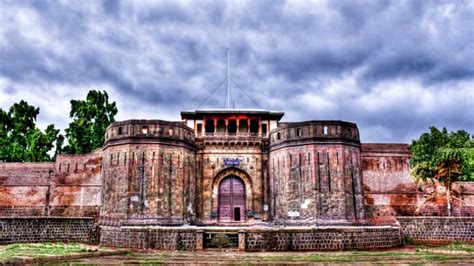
pixel 402 256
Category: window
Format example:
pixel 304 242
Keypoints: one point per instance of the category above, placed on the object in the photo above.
pixel 119 131
pixel 220 126
pixel 299 132
pixel 325 130
pixel 254 126
pixel 199 129
pixel 243 127
pixel 144 130
pixel 264 129
pixel 210 126
pixel 232 127
pixel 170 131
pixel 278 136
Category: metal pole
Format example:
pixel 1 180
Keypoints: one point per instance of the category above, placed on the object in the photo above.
pixel 228 79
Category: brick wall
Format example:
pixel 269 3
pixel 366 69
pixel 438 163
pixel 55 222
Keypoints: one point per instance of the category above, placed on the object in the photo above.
pixel 68 187
pixel 144 238
pixel 323 239
pixel 390 190
pixel 303 239
pixel 438 230
pixel 47 229
pixel 315 172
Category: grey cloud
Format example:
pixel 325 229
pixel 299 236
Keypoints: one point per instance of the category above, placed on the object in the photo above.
pixel 169 56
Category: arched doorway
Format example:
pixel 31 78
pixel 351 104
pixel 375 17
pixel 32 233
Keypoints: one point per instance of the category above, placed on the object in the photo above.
pixel 231 199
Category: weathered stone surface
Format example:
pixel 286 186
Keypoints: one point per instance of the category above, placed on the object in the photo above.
pixel 68 187
pixel 315 174
pixel 47 229
pixel 152 173
pixel 438 230
pixel 390 190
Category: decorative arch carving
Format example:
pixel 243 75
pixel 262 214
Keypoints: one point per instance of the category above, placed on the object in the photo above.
pixel 235 172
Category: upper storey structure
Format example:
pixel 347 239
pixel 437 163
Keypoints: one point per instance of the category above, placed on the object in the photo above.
pixel 231 122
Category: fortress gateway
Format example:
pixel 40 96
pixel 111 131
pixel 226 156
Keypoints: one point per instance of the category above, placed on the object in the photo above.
pixel 231 167
pixel 235 172
pixel 223 178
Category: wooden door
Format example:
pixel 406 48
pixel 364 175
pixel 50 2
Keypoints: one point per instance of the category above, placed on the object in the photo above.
pixel 231 200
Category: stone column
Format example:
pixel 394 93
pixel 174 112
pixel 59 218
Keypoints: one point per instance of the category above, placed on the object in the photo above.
pixel 199 240
pixel 215 126
pixel 241 241
pixel 226 126
pixel 238 125
pixel 204 126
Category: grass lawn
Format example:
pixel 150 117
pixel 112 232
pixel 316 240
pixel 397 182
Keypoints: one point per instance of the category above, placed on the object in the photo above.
pixel 415 254
pixel 404 255
pixel 39 250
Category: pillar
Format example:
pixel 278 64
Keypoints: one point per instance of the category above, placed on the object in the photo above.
pixel 241 241
pixel 199 240
pixel 238 125
pixel 226 126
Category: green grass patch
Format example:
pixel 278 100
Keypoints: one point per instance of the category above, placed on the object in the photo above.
pixel 364 256
pixel 38 250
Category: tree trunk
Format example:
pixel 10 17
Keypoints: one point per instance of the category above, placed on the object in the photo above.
pixel 448 191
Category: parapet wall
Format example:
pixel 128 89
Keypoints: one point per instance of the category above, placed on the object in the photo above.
pixel 68 187
pixel 390 190
pixel 263 239
pixel 315 176
pixel 47 229
pixel 437 230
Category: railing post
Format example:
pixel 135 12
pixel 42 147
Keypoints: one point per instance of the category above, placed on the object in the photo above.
pixel 241 241
pixel 199 240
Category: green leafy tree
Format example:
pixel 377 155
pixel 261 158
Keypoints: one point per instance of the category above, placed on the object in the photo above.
pixel 445 157
pixel 21 140
pixel 90 120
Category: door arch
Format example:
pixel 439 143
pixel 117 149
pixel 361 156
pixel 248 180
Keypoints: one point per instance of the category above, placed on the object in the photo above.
pixel 232 199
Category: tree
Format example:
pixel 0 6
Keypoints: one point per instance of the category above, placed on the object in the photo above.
pixel 21 140
pixel 445 157
pixel 90 120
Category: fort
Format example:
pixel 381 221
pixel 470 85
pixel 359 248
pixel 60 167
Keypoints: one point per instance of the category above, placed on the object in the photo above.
pixel 229 178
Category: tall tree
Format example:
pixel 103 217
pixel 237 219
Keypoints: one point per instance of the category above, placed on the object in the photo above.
pixel 90 120
pixel 21 140
pixel 445 157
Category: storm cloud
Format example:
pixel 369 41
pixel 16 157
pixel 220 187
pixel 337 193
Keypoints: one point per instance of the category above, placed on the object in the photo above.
pixel 393 67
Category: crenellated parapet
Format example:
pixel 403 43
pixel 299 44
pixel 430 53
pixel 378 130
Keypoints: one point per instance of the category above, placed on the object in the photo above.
pixel 149 131
pixel 314 132
pixel 315 173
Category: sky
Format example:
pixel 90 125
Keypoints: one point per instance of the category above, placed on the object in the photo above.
pixel 393 67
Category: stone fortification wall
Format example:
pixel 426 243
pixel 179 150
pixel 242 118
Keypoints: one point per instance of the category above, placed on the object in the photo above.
pixel 323 239
pixel 390 191
pixel 315 172
pixel 437 230
pixel 47 229
pixel 148 174
pixel 144 238
pixel 68 187
pixel 262 239
pixel 211 155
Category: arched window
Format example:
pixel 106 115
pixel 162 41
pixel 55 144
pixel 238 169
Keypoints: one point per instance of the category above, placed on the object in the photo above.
pixel 210 126
pixel 144 130
pixel 170 131
pixel 325 130
pixel 278 136
pixel 232 126
pixel 119 131
pixel 254 126
pixel 299 132
pixel 220 126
